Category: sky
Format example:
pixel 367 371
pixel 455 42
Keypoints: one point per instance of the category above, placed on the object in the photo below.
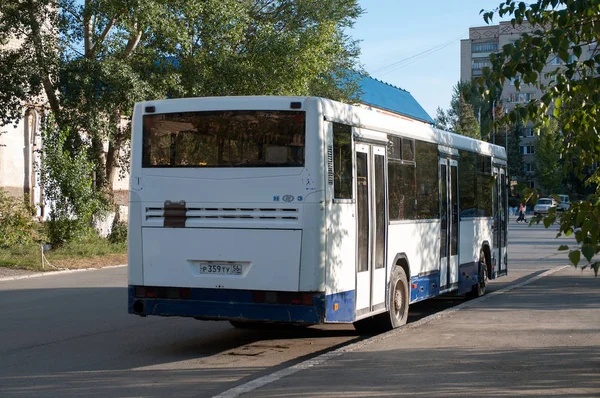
pixel 394 33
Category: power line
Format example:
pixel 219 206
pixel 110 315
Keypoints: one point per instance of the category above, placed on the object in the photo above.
pixel 414 58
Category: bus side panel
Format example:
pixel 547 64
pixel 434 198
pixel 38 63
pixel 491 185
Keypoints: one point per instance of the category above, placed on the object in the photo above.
pixel 341 268
pixel 135 267
pixel 420 243
pixel 312 266
pixel 473 232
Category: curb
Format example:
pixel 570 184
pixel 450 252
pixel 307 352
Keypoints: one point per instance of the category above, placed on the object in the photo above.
pixel 51 273
pixel 270 378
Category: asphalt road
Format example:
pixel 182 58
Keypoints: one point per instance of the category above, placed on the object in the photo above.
pixel 70 335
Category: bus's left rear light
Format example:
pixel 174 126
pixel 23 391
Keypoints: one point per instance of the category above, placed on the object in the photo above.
pixel 307 299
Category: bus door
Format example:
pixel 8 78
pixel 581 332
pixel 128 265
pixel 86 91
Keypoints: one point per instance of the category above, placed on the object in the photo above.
pixel 449 220
pixel 371 221
pixel 500 196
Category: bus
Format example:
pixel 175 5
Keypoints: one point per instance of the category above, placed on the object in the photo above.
pixel 304 210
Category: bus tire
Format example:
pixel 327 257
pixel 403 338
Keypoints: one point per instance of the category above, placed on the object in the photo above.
pixel 479 288
pixel 399 298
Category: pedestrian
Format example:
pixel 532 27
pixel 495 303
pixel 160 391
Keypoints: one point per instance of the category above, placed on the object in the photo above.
pixel 521 213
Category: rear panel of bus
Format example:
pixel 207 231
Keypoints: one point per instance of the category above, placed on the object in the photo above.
pixel 226 209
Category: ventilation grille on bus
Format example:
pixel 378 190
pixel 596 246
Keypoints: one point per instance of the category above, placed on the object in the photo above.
pixel 216 214
pixel 330 165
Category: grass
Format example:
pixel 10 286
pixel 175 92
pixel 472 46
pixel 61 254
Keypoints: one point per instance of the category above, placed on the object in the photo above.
pixel 91 252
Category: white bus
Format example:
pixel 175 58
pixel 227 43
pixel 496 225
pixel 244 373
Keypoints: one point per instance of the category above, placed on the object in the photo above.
pixel 304 210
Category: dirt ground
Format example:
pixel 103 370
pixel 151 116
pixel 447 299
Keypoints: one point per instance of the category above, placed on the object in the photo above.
pixel 58 265
pixel 93 262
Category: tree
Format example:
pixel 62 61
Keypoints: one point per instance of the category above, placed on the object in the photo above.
pixel 460 118
pixel 516 166
pixel 548 165
pixel 467 122
pixel 93 59
pixel 567 29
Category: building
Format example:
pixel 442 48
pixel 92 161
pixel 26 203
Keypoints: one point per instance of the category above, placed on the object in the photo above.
pixel 20 158
pixel 475 55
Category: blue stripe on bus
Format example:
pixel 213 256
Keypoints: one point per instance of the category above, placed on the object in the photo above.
pixel 339 307
pixel 228 304
pixel 427 286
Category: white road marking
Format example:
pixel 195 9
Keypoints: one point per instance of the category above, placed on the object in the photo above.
pixel 270 378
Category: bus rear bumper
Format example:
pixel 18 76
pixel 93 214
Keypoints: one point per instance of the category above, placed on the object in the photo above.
pixel 227 304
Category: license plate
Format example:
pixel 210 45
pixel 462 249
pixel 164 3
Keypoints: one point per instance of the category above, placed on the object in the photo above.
pixel 221 269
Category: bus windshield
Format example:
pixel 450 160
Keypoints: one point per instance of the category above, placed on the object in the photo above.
pixel 224 139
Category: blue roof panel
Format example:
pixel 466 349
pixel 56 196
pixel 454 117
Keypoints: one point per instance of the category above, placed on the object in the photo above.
pixel 385 96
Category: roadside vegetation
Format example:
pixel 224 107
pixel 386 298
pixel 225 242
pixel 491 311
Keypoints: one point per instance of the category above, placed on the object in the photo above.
pixel 562 30
pixel 23 240
pixel 101 57
pixel 91 252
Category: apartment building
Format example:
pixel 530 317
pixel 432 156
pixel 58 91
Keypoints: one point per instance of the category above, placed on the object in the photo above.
pixel 475 55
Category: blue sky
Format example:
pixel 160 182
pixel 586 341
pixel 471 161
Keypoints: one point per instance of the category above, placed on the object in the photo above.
pixel 393 30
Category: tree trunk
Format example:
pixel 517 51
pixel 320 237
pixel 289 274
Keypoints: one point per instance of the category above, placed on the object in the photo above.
pixel 100 159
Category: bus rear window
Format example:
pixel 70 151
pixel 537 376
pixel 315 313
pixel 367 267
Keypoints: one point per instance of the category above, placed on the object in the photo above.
pixel 224 139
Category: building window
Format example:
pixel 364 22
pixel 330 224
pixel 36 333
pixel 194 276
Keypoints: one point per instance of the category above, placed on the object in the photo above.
pixel 484 47
pixel 478 65
pixel 528 167
pixel 527 150
pixel 519 97
pixel 528 132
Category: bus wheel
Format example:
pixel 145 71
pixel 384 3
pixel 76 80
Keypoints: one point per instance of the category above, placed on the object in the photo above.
pixel 399 298
pixel 478 289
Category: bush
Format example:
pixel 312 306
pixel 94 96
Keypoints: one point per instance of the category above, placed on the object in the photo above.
pixel 61 230
pixel 118 233
pixel 17 225
pixel 67 176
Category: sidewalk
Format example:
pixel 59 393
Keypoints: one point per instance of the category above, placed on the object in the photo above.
pixel 542 339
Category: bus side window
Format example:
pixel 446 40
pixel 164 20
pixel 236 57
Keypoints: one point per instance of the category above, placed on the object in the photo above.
pixel 342 161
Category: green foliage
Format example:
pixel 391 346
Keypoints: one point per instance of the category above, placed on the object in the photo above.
pixel 567 29
pixel 581 221
pixel 90 250
pixel 17 225
pixel 461 118
pixel 94 59
pixel 467 122
pixel 548 165
pixel 516 166
pixel 67 177
pixel 118 232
